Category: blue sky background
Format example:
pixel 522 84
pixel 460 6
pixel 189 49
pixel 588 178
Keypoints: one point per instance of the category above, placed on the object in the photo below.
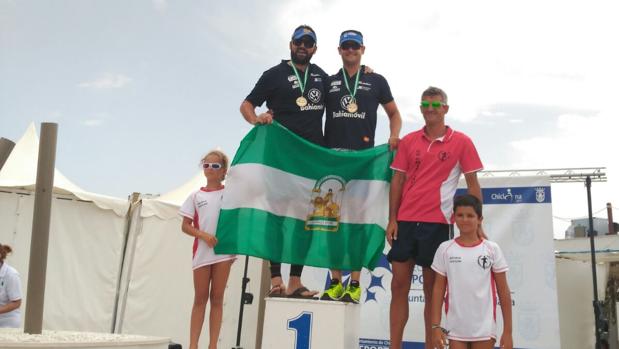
pixel 141 89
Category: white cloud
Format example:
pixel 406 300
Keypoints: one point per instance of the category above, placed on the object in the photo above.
pixel 92 122
pixel 579 141
pixel 107 81
pixel 160 5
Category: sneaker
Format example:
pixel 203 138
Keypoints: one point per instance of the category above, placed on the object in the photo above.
pixel 352 294
pixel 334 293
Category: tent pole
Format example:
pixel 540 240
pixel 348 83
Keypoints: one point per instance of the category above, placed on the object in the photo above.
pixel 134 200
pixel 6 146
pixel 40 228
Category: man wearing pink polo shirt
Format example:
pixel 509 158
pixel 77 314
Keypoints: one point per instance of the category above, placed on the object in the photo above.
pixel 427 168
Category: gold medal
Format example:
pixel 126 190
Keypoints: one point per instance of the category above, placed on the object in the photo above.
pixel 301 101
pixel 352 107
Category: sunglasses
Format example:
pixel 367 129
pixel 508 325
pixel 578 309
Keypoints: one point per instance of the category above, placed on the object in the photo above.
pixel 307 43
pixel 435 104
pixel 213 165
pixel 350 44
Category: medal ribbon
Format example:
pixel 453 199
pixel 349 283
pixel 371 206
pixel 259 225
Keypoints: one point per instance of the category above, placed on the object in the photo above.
pixel 354 91
pixel 296 73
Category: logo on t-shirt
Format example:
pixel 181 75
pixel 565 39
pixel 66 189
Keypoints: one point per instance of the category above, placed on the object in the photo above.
pixel 345 101
pixel 484 261
pixel 443 155
pixel 314 95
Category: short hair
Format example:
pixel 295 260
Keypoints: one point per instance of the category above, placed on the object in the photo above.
pixel 468 200
pixel 222 156
pixel 4 250
pixel 434 91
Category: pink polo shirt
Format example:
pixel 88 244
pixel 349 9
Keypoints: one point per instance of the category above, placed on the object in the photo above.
pixel 433 169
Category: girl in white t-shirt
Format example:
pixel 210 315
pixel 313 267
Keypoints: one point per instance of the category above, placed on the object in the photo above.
pixel 10 292
pixel 472 270
pixel 210 271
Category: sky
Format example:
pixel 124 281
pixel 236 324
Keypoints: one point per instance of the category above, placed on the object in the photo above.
pixel 142 89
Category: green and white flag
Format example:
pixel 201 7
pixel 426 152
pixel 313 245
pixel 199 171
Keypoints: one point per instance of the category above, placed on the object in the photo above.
pixel 288 200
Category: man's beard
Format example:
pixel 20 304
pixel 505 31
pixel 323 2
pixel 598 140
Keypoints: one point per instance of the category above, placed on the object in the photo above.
pixel 300 60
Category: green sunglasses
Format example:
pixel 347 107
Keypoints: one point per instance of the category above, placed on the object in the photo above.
pixel 435 104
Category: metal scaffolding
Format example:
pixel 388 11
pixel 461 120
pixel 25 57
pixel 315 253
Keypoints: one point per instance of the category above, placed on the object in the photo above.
pixel 557 175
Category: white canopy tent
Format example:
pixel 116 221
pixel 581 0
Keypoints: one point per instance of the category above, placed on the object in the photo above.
pixel 85 245
pixel 157 293
pixel 113 265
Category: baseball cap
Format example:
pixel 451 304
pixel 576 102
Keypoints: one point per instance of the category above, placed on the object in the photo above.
pixel 351 35
pixel 302 31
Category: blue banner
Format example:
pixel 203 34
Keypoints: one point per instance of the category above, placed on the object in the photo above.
pixel 514 195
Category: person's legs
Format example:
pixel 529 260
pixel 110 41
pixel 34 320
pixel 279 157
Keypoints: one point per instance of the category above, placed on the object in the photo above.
pixel 398 309
pixel 428 282
pixel 458 345
pixel 277 284
pixel 429 236
pixel 336 289
pixel 402 258
pixel 336 274
pixel 353 290
pixel 219 279
pixel 201 280
pixel 489 344
pixel 294 283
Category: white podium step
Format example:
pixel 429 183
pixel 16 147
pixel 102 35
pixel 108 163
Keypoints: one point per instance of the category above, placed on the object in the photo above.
pixel 310 324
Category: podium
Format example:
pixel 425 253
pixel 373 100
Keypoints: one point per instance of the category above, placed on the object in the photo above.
pixel 291 323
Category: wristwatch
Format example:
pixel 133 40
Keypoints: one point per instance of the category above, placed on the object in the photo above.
pixel 445 331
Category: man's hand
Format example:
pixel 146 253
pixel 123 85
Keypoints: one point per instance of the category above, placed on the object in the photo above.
pixel 506 341
pixel 393 143
pixel 439 339
pixel 392 231
pixel 264 118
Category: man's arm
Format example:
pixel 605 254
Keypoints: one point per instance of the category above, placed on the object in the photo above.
pixel 506 308
pixel 249 113
pixel 395 196
pixel 10 306
pixel 395 124
pixel 472 184
pixel 436 310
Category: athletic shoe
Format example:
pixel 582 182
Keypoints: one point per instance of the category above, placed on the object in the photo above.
pixel 334 293
pixel 352 294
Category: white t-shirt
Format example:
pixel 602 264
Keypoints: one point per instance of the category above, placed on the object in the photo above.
pixel 10 291
pixel 202 207
pixel 471 299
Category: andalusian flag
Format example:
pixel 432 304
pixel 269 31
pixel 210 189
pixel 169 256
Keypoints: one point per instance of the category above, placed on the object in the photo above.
pixel 288 200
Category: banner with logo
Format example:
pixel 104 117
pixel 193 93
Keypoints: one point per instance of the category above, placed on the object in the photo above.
pixel 291 201
pixel 518 216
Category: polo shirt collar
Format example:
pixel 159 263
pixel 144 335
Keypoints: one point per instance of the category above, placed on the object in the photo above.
pixel 444 138
pixel 4 269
